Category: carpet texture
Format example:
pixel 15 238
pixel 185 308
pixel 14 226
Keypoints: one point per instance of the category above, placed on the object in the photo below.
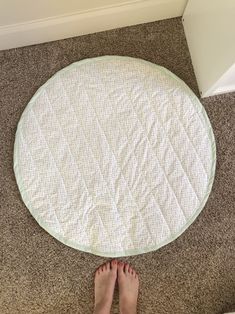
pixel 195 274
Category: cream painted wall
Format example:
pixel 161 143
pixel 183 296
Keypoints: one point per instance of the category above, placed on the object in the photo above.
pixel 29 22
pixel 210 32
pixel 20 11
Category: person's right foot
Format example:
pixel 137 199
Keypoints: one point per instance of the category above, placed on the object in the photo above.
pixel 105 278
pixel 128 283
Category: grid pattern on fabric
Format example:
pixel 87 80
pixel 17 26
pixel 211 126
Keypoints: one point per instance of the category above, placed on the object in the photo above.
pixel 114 156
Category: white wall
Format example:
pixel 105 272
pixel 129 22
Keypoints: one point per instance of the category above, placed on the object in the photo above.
pixel 27 22
pixel 210 31
pixel 19 11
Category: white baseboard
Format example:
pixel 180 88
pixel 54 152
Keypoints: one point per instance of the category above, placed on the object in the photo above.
pixel 89 21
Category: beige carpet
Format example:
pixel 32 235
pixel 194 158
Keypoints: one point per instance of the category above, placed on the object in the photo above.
pixel 193 275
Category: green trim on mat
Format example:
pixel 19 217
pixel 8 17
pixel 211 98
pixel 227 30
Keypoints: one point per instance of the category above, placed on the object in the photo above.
pixel 90 249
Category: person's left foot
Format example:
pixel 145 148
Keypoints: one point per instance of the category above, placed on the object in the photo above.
pixel 105 278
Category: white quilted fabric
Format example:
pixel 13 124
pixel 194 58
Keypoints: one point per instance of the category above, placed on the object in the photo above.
pixel 114 156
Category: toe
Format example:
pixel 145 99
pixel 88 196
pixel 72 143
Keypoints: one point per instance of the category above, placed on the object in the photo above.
pixel 127 268
pixel 98 271
pixel 120 267
pixel 131 271
pixel 113 265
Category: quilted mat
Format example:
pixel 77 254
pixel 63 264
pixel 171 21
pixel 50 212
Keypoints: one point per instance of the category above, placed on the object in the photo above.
pixel 114 156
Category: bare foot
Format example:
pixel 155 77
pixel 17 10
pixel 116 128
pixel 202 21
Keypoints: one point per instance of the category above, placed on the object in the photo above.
pixel 128 283
pixel 105 278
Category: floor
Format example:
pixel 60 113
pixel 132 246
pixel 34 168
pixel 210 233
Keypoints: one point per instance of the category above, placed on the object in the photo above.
pixel 195 274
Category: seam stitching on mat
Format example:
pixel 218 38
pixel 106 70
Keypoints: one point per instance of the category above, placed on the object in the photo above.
pixel 99 169
pixel 150 193
pixel 117 164
pixel 176 153
pixel 28 149
pixel 70 152
pixel 190 141
pixel 186 175
pixel 53 113
pixel 89 149
pixel 55 164
pixel 163 171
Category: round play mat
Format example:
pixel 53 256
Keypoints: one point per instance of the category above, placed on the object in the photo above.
pixel 114 156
